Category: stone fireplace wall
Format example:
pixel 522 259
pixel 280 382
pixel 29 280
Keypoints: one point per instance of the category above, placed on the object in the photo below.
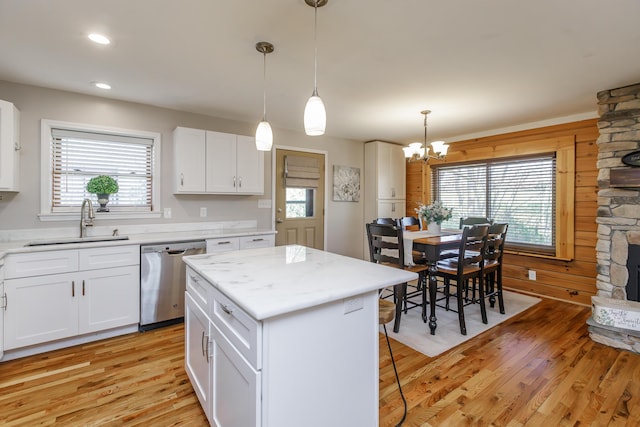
pixel 618 214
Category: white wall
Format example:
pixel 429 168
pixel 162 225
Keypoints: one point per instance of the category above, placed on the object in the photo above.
pixel 20 210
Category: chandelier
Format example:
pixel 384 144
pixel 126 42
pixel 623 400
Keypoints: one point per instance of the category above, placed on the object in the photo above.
pixel 416 151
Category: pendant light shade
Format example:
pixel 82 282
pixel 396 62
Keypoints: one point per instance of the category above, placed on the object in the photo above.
pixel 315 115
pixel 264 134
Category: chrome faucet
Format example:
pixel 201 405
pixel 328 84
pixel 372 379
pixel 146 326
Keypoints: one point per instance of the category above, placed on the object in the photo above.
pixel 86 222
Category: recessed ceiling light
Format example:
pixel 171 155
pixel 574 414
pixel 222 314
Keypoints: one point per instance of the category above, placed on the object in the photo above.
pixel 104 86
pixel 99 38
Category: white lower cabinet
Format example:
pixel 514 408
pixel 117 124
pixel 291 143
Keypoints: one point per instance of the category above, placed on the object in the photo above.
pixel 40 309
pixel 226 244
pixel 48 307
pixel 110 298
pixel 227 386
pixel 235 396
pixel 289 370
pixel 197 337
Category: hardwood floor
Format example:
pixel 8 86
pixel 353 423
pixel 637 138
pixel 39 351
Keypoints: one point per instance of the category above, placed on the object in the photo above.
pixel 537 369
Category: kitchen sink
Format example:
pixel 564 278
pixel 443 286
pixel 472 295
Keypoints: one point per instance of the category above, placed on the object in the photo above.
pixel 67 240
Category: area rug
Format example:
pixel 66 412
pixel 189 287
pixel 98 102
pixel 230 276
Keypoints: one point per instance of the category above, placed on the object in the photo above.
pixel 415 333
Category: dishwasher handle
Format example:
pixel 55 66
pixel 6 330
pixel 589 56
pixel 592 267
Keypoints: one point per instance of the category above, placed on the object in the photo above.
pixel 174 252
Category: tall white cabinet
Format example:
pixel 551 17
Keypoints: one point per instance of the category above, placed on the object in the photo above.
pixel 9 146
pixel 384 181
pixel 208 162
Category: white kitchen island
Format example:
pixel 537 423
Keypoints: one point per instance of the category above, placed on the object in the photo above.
pixel 285 336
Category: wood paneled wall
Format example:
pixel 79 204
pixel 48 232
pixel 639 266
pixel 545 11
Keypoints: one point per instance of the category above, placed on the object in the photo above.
pixel 575 280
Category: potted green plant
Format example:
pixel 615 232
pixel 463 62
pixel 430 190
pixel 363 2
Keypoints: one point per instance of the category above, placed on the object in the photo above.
pixel 102 186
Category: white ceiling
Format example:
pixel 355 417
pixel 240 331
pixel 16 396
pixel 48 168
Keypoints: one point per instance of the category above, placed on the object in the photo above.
pixel 478 65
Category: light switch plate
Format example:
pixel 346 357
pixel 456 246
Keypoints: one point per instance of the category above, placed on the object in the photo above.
pixel 264 203
pixel 203 212
pixel 167 212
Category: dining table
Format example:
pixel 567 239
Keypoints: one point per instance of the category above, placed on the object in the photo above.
pixel 431 244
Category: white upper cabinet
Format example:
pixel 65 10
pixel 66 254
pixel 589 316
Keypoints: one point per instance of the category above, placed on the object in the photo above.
pixel 189 157
pixel 9 147
pixel 217 163
pixel 234 165
pixel 391 170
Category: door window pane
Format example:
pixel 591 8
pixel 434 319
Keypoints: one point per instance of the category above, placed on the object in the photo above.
pixel 300 202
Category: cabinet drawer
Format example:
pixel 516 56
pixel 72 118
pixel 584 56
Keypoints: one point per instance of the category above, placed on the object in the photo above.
pixel 107 257
pixel 238 327
pixel 41 263
pixel 262 241
pixel 198 288
pixel 223 244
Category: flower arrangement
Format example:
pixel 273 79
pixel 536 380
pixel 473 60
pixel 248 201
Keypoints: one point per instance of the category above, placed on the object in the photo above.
pixel 434 212
pixel 102 184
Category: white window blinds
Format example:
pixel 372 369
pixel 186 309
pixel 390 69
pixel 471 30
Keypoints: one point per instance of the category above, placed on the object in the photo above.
pixel 520 192
pixel 79 156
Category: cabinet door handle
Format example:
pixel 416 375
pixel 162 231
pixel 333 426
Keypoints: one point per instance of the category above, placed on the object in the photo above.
pixel 234 182
pixel 6 301
pixel 73 288
pixel 181 179
pixel 257 240
pixel 240 180
pixel 224 243
pixel 393 207
pixel 226 308
pixel 83 288
pixel 393 192
pixel 204 343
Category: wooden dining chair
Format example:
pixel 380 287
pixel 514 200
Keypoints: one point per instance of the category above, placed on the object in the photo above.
pixel 469 264
pixel 474 220
pixel 386 247
pixel 494 251
pixel 388 221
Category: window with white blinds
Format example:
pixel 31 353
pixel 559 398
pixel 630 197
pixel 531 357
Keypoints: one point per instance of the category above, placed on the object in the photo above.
pixel 76 156
pixel 520 192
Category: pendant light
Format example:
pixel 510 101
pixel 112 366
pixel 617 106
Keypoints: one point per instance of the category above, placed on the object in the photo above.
pixel 264 135
pixel 315 116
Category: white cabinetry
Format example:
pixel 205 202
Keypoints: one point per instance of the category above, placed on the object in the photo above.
pixel 2 306
pixel 9 146
pixel 216 163
pixel 226 383
pixel 60 294
pixel 250 373
pixel 189 157
pixel 226 244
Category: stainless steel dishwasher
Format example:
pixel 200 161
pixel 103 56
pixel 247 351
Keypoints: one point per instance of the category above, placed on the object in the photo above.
pixel 162 282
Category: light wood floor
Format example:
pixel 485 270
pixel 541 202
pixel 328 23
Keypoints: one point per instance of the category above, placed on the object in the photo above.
pixel 538 369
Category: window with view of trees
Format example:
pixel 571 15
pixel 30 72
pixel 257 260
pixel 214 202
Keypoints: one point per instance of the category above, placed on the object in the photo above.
pixel 77 154
pixel 518 191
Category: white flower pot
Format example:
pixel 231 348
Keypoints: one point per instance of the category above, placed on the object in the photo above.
pixel 433 228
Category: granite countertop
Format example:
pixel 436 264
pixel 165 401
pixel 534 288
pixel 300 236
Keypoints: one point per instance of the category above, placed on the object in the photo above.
pixel 268 282
pixel 152 237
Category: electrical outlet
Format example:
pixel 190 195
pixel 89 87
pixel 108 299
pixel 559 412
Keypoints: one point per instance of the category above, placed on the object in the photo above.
pixel 203 212
pixel 167 212
pixel 532 275
pixel 353 304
